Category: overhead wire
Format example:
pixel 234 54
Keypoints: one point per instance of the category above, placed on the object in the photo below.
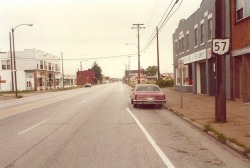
pixel 153 35
pixel 162 24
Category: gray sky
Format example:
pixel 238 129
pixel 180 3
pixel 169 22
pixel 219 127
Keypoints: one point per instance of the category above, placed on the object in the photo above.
pixel 90 29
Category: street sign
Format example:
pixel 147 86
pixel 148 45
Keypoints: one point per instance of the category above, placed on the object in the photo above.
pixel 220 46
pixel 180 64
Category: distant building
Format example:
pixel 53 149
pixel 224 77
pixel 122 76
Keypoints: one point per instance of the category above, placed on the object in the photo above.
pixel 87 76
pixel 36 70
pixel 132 76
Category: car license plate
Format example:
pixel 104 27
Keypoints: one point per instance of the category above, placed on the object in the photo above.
pixel 150 98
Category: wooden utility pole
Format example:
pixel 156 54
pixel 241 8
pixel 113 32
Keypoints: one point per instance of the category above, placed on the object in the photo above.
pixel 220 98
pixel 158 55
pixel 138 27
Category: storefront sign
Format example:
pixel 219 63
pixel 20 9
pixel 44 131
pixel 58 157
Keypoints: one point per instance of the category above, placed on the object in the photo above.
pixel 201 55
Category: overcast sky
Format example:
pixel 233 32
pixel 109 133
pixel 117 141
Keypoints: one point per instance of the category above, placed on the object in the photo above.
pixel 94 29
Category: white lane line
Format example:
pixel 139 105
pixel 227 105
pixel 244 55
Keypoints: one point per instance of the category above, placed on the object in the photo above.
pixel 34 126
pixel 82 101
pixel 165 159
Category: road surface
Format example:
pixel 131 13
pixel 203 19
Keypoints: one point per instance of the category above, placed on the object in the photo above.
pixel 98 127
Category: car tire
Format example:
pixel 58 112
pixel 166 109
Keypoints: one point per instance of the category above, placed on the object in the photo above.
pixel 135 105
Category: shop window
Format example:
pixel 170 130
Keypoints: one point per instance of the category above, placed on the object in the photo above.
pixel 178 76
pixel 187 75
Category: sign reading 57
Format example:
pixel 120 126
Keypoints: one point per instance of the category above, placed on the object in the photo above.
pixel 220 46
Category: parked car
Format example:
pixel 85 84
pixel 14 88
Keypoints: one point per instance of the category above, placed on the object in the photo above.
pixel 87 85
pixel 147 94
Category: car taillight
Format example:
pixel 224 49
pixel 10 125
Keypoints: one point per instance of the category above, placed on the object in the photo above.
pixel 135 96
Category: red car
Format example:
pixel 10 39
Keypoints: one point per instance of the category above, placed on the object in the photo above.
pixel 147 94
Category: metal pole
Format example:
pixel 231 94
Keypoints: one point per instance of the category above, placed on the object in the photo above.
pixel 14 57
pixel 181 86
pixel 62 71
pixel 128 69
pixel 11 65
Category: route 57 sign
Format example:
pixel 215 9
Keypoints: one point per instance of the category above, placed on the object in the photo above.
pixel 220 46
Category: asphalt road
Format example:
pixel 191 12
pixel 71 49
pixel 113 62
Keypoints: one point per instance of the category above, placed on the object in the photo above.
pixel 98 127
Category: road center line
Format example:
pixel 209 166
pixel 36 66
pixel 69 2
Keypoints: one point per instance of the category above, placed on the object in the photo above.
pixel 152 142
pixel 34 126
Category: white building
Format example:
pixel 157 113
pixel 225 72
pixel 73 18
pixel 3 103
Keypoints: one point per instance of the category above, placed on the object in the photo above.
pixel 36 70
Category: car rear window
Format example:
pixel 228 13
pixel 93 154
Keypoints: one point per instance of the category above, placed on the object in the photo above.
pixel 147 88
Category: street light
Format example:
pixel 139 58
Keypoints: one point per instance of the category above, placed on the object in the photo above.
pixel 14 55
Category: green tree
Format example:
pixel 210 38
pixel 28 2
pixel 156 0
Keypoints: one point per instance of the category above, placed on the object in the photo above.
pixel 151 70
pixel 98 71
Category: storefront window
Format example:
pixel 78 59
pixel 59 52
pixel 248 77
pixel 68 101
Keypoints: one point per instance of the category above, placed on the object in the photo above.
pixel 187 75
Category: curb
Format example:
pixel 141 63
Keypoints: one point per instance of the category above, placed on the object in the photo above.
pixel 242 151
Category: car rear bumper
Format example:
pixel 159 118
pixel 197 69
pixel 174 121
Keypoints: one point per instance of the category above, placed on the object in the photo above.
pixel 149 102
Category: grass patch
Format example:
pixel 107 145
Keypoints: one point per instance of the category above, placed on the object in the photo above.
pixel 223 139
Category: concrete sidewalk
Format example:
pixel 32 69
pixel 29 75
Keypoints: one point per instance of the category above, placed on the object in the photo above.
pixel 199 109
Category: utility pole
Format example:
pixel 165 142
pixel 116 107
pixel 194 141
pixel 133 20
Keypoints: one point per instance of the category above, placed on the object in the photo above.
pixel 129 69
pixel 81 66
pixel 158 55
pixel 62 71
pixel 138 27
pixel 11 65
pixel 220 98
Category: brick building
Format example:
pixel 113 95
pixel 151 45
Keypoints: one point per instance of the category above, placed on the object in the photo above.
pixel 83 77
pixel 240 47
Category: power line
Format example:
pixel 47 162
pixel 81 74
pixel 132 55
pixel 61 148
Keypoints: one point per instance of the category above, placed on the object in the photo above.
pixel 162 24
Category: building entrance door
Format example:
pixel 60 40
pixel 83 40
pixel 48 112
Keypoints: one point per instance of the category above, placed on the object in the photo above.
pixel 203 78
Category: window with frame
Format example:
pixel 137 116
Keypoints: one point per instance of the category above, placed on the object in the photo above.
pixel 179 46
pixel 202 34
pixel 4 64
pixel 210 29
pixel 187 41
pixel 196 37
pixel 242 9
pixel 8 64
pixel 176 48
pixel 49 66
pixel 178 76
pixel 41 64
pixel 182 44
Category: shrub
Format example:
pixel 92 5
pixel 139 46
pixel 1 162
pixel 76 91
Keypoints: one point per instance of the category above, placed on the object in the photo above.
pixel 165 83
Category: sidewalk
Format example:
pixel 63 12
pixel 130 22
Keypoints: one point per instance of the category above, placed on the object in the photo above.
pixel 199 109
